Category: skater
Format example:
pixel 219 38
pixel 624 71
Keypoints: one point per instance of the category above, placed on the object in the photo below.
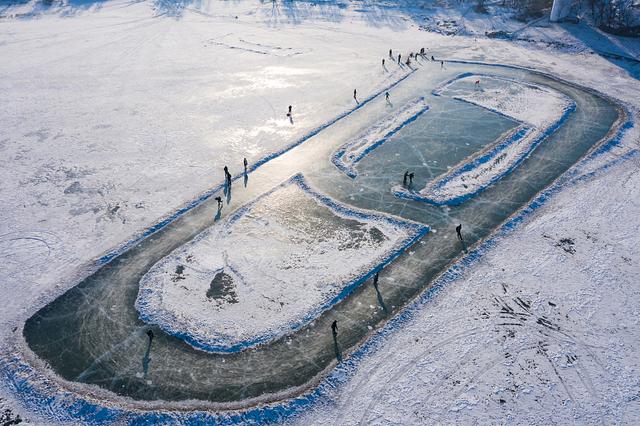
pixel 246 164
pixel 219 200
pixel 459 232
pixel 386 95
pixel 227 176
pixel 334 329
pixel 441 64
pixel 289 113
pixel 408 61
pixel 404 178
pixel 150 335
pixel 410 179
pixel 390 53
pixel 399 58
pixel 375 280
pixel 422 51
pixel 382 62
pixel 432 58
pixel 355 95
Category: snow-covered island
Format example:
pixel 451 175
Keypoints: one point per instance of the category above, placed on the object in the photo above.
pixel 539 110
pixel 270 268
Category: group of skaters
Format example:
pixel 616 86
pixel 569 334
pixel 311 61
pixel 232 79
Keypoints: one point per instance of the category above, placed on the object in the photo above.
pixel 228 179
pixel 422 54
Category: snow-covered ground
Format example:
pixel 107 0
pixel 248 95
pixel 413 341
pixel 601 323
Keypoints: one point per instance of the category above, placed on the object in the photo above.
pixel 270 268
pixel 348 155
pixel 119 112
pixel 540 110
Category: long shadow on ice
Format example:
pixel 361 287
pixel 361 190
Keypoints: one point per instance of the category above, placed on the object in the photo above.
pixel 608 46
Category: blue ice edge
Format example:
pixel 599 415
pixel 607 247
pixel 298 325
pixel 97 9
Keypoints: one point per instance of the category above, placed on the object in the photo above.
pixel 47 398
pixel 350 168
pixel 194 203
pixel 164 320
pixel 474 163
pixel 42 395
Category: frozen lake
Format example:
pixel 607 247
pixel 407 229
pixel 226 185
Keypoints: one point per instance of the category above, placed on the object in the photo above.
pixel 93 334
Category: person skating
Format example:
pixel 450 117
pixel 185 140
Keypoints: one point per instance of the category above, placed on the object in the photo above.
pixel 410 178
pixel 227 176
pixel 150 335
pixel 375 279
pixel 382 62
pixel 432 58
pixel 246 164
pixel 386 95
pixel 399 58
pixel 219 200
pixel 390 53
pixel 441 64
pixel 289 113
pixel 459 232
pixel 334 329
pixel 404 178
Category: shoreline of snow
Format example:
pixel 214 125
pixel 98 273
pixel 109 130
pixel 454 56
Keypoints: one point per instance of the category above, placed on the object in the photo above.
pixel 483 169
pixel 180 308
pixel 348 155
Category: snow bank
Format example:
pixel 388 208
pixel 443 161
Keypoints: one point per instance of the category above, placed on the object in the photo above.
pixel 539 110
pixel 348 155
pixel 270 268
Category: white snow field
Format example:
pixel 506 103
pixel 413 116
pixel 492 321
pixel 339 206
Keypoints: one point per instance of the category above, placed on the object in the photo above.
pixel 270 268
pixel 540 110
pixel 116 113
pixel 349 154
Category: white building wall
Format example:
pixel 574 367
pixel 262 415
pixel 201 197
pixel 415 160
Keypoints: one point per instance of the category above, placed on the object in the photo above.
pixel 560 9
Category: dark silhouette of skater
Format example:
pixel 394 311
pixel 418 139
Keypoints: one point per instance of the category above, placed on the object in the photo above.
pixel 245 163
pixel 219 200
pixel 404 178
pixel 289 113
pixel 391 53
pixel 441 64
pixel 146 359
pixel 378 295
pixel 411 179
pixel 382 62
pixel 399 58
pixel 334 333
pixel 459 232
pixel 355 95
pixel 422 51
pixel 432 58
pixel 386 95
pixel 408 61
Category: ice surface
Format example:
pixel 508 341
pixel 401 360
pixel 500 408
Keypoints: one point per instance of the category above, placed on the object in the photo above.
pixel 270 268
pixel 348 155
pixel 540 110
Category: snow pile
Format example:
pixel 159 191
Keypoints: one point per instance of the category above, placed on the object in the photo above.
pixel 539 110
pixel 348 155
pixel 270 268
